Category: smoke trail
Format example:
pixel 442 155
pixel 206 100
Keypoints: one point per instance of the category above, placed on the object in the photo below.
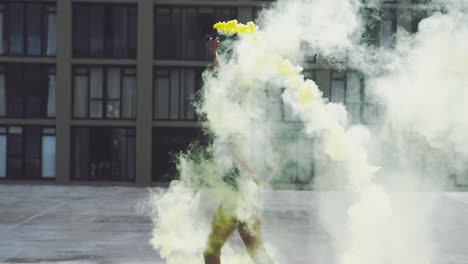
pixel 424 107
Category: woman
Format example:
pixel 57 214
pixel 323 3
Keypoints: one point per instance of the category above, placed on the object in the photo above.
pixel 227 218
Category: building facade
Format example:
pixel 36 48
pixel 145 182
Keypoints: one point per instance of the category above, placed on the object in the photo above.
pixel 100 92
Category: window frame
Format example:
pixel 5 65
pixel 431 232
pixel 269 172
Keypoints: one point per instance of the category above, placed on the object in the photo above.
pixel 198 86
pixel 46 69
pixel 104 98
pixel 364 100
pixel 47 7
pixel 5 130
pixel 107 30
pixel 73 157
pixel 179 53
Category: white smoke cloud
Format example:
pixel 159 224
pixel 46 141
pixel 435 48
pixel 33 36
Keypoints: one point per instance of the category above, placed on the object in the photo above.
pixel 420 84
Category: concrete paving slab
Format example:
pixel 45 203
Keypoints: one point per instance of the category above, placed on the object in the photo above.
pixel 91 225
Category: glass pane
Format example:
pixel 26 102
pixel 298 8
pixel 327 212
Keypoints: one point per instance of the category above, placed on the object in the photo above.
pixel 370 113
pixel 3 149
pixel 388 28
pixel 119 31
pixel 14 85
pixel 113 109
pixel 51 96
pixel 96 109
pixel 15 156
pixel 354 112
pixel 185 79
pixel 16 28
pixel 386 34
pixel 34 29
pixel 353 88
pixel 131 157
pixel 338 91
pixel 2 37
pixel 96 82
pixel 50 33
pixel 190 88
pixel 48 156
pixel 80 103
pixel 81 31
pixel 33 91
pixel 174 94
pixel 132 29
pixel 33 148
pixel 113 83
pixel 163 39
pixel 3 95
pixel 97 31
pixel 81 164
pixel 191 35
pixel 129 97
pixel 162 97
pixel 101 145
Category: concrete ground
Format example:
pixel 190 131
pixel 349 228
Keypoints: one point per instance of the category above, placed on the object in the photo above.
pixel 88 225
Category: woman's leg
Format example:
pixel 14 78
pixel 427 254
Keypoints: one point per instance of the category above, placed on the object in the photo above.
pixel 222 227
pixel 251 234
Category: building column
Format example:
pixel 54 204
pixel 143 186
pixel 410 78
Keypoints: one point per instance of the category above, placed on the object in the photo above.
pixel 63 92
pixel 144 92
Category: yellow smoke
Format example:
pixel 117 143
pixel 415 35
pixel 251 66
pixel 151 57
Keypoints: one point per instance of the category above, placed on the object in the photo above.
pixel 307 101
pixel 234 27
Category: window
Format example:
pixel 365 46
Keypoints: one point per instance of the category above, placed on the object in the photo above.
pixel 166 144
pixel 348 89
pixel 104 92
pixel 31 97
pixel 27 29
pixel 27 152
pixel 180 33
pixel 174 93
pixel 380 27
pixel 103 153
pixel 104 31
